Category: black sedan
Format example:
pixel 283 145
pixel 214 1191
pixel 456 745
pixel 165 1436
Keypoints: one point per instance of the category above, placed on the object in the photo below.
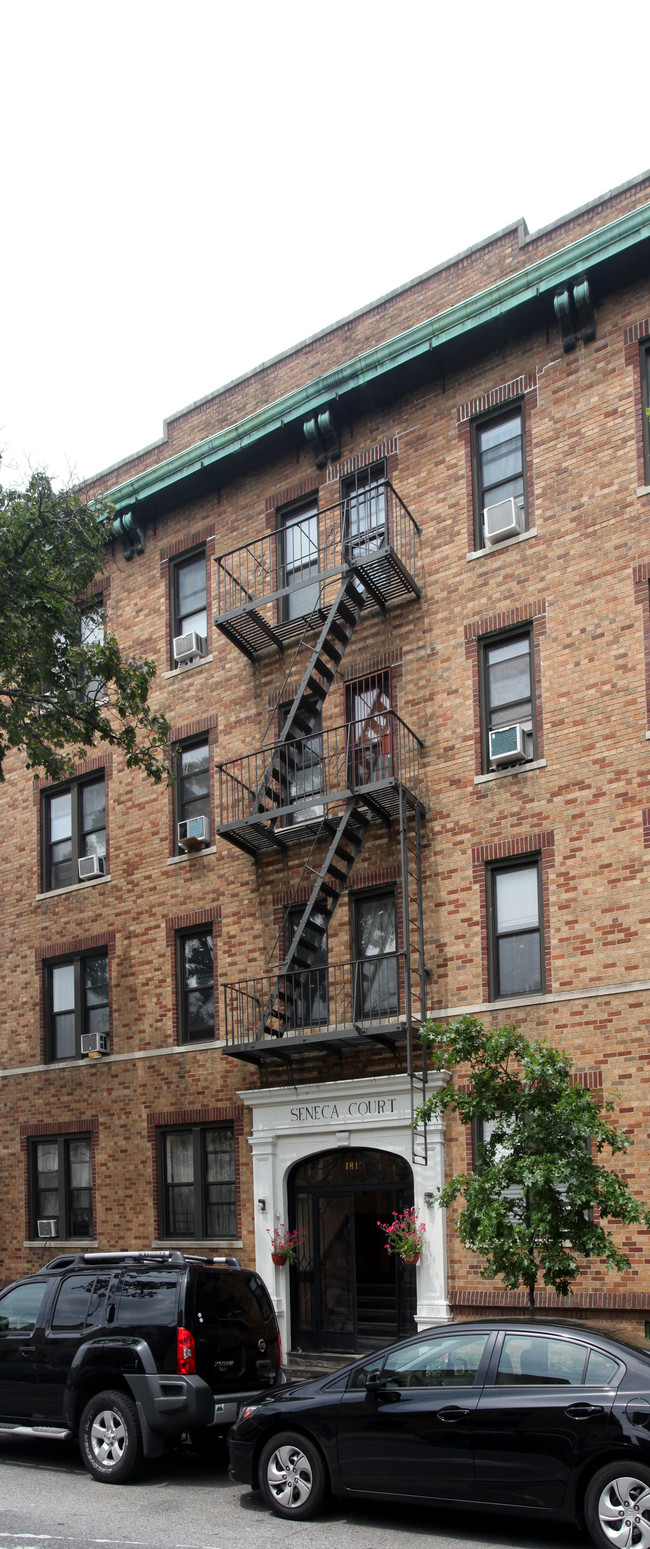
pixel 544 1418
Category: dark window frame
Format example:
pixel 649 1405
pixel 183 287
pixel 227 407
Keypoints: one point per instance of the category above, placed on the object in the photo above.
pixel 364 895
pixel 645 404
pixel 371 475
pixel 286 516
pixel 185 746
pixel 63 1143
pixel 199 1183
pixel 494 869
pixel 187 557
pixel 310 983
pixel 357 749
pixel 494 417
pixel 77 959
pixel 76 787
pixel 485 643
pixel 184 1033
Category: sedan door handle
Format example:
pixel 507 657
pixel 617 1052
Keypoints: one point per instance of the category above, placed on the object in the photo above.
pixel 26 1350
pixel 583 1411
pixel 452 1412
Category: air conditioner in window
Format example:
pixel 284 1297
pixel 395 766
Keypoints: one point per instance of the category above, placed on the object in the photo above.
pixel 95 1043
pixel 188 648
pixel 508 745
pixel 194 833
pixel 91 866
pixel 48 1228
pixel 504 520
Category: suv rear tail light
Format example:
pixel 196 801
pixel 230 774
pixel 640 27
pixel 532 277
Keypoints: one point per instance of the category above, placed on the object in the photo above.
pixel 185 1353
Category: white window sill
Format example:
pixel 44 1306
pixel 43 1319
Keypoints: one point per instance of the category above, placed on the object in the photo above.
pixel 178 672
pixel 515 769
pixel 80 1244
pixel 647 736
pixel 75 887
pixel 507 543
pixel 194 855
pixel 643 489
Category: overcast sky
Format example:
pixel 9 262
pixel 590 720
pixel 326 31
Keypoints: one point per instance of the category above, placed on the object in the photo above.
pixel 187 190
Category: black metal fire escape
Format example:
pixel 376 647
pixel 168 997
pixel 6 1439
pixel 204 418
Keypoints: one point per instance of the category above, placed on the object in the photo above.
pixel 255 792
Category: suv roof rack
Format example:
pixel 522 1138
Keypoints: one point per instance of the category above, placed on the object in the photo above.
pixel 140 1256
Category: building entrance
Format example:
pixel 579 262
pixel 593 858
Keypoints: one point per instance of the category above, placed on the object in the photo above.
pixel 347 1293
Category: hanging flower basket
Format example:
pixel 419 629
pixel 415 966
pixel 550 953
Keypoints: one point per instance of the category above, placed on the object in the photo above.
pixel 285 1244
pixel 404 1235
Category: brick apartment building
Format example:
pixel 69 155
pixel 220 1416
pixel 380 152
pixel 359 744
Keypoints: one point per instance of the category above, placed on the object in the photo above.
pixel 412 747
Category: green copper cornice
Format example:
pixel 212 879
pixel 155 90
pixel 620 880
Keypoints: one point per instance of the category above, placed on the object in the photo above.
pixel 282 419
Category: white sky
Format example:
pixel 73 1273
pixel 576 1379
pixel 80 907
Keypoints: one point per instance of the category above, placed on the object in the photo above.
pixel 187 190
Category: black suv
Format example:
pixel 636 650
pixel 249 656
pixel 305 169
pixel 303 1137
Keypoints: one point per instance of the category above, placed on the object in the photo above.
pixel 127 1349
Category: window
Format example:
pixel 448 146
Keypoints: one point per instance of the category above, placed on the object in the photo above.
pixel 77 1003
pixel 535 1360
pixel 499 465
pixel 189 593
pixel 307 993
pixel 196 986
pixel 62 1185
pixel 20 1308
pixel 92 633
pixel 645 400
pixel 192 784
pixel 375 953
pixel 301 773
pixel 441 1361
pixel 507 697
pixel 74 826
pixel 365 526
pixel 515 912
pixel 197 1167
pixel 300 559
pixel 367 714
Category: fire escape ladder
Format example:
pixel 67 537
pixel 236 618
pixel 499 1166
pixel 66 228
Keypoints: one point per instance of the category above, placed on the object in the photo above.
pixel 320 672
pixel 415 995
pixel 314 923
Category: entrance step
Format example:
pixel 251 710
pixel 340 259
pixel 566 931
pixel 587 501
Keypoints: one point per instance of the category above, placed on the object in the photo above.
pixel 306 1365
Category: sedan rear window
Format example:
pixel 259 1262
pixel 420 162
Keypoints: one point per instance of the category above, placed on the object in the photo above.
pixel 534 1359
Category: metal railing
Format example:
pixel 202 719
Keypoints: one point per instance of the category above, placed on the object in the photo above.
pixel 337 999
pixel 296 780
pixel 302 554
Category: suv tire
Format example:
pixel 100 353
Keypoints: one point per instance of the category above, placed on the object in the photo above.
pixel 618 1493
pixel 292 1476
pixel 109 1437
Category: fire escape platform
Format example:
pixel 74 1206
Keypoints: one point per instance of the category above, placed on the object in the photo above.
pixel 333 1040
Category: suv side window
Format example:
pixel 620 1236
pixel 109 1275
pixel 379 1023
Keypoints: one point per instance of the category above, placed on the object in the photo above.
pixel 72 1305
pixel 147 1299
pixel 20 1308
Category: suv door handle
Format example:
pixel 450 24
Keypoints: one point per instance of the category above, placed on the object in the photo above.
pixel 26 1350
pixel 452 1412
pixel 583 1411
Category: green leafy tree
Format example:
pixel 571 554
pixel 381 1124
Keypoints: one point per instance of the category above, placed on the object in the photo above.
pixel 64 685
pixel 528 1208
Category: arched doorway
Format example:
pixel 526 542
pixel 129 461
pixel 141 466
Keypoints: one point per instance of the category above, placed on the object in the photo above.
pixel 347 1293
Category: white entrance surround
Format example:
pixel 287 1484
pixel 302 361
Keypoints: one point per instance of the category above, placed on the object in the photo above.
pixel 293 1122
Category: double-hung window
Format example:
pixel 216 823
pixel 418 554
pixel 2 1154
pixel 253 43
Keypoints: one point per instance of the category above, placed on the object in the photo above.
pixel 374 918
pixel 197 1168
pixel 92 631
pixel 299 559
pixel 371 753
pixel 74 827
pixel 77 1002
pixel 364 509
pixel 515 929
pixel 193 784
pixel 189 597
pixel 499 466
pixel 62 1185
pixel 645 403
pixel 306 993
pixel 300 772
pixel 196 985
pixel 507 691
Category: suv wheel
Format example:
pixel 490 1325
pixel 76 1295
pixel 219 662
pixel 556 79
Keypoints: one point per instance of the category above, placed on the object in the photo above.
pixel 292 1476
pixel 617 1505
pixel 109 1437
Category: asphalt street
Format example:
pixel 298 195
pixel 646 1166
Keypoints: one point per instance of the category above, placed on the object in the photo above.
pixel 48 1501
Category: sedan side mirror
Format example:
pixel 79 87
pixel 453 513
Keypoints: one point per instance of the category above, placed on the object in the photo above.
pixel 373 1384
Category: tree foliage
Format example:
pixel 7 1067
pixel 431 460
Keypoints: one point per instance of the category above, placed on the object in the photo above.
pixel 64 686
pixel 539 1193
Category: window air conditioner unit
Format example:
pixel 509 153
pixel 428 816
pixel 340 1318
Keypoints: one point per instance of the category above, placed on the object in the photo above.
pixel 504 520
pixel 188 648
pixel 91 866
pixel 48 1228
pixel 507 745
pixel 194 833
pixel 95 1043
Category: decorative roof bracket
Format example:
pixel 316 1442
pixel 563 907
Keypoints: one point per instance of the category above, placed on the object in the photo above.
pixel 575 313
pixel 323 435
pixel 126 528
